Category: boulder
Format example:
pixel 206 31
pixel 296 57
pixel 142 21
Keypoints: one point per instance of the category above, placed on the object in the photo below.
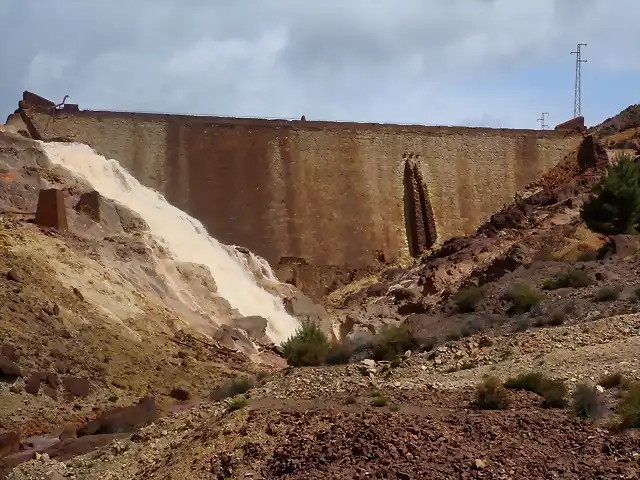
pixel 9 443
pixel 122 419
pixel 76 386
pixel 254 325
pixel 9 370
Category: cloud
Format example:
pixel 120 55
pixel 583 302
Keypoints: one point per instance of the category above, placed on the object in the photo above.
pixel 490 62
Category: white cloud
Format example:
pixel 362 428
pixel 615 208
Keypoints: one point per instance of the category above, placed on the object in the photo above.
pixel 428 61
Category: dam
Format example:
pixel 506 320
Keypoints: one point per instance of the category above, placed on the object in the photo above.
pixel 322 202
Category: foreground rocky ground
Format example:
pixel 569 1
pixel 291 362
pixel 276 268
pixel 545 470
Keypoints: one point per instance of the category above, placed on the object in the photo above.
pixel 411 418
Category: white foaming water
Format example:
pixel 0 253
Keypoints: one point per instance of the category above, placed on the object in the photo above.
pixel 182 235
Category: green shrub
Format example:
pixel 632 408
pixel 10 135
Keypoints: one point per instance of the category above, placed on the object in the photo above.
pixel 629 407
pixel 467 299
pixel 588 402
pixel 231 388
pixel 392 342
pixel 491 395
pixel 606 294
pixel 339 354
pixel 522 298
pixel 554 394
pixel 380 401
pixel 308 346
pixel 237 403
pixel 572 278
pixel 613 207
pixel 530 382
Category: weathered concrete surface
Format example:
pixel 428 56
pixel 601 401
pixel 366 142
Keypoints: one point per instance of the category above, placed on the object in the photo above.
pixel 328 193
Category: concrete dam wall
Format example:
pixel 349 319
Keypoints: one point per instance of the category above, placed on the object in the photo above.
pixel 329 195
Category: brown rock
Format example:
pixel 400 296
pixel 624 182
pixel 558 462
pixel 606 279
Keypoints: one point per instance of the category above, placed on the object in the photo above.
pixel 89 204
pixel 32 383
pixel 68 433
pixel 76 386
pixel 14 275
pixel 10 352
pixel 123 419
pixel 9 443
pixel 9 370
pixel 51 212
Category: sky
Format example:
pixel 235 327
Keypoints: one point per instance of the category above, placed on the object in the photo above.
pixel 496 63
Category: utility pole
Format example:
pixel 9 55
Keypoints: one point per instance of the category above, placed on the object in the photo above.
pixel 543 126
pixel 577 90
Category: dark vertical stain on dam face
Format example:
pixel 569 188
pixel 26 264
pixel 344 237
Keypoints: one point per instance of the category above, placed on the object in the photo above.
pixel 419 221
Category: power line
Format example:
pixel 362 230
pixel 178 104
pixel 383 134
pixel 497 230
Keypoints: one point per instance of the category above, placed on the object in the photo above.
pixel 543 126
pixel 577 90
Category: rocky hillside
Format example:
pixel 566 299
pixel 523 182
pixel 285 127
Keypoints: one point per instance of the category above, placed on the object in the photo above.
pixel 518 332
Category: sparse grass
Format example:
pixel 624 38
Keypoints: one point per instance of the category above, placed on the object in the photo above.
pixel 491 394
pixel 380 401
pixel 237 403
pixel 588 402
pixel 392 342
pixel 572 278
pixel 629 407
pixel 467 366
pixel 231 388
pixel 522 298
pixel 613 380
pixel 606 294
pixel 394 408
pixel 467 299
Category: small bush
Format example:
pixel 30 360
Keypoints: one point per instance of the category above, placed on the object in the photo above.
pixel 522 298
pixel 491 395
pixel 530 382
pixel 606 294
pixel 237 403
pixel 339 354
pixel 394 408
pixel 467 299
pixel 308 346
pixel 380 401
pixel 554 394
pixel 394 341
pixel 556 318
pixel 471 327
pixel 453 336
pixel 629 407
pixel 588 402
pixel 613 380
pixel 522 324
pixel 231 388
pixel 572 278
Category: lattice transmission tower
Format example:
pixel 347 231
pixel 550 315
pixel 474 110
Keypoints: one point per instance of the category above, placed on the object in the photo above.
pixel 543 126
pixel 577 90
